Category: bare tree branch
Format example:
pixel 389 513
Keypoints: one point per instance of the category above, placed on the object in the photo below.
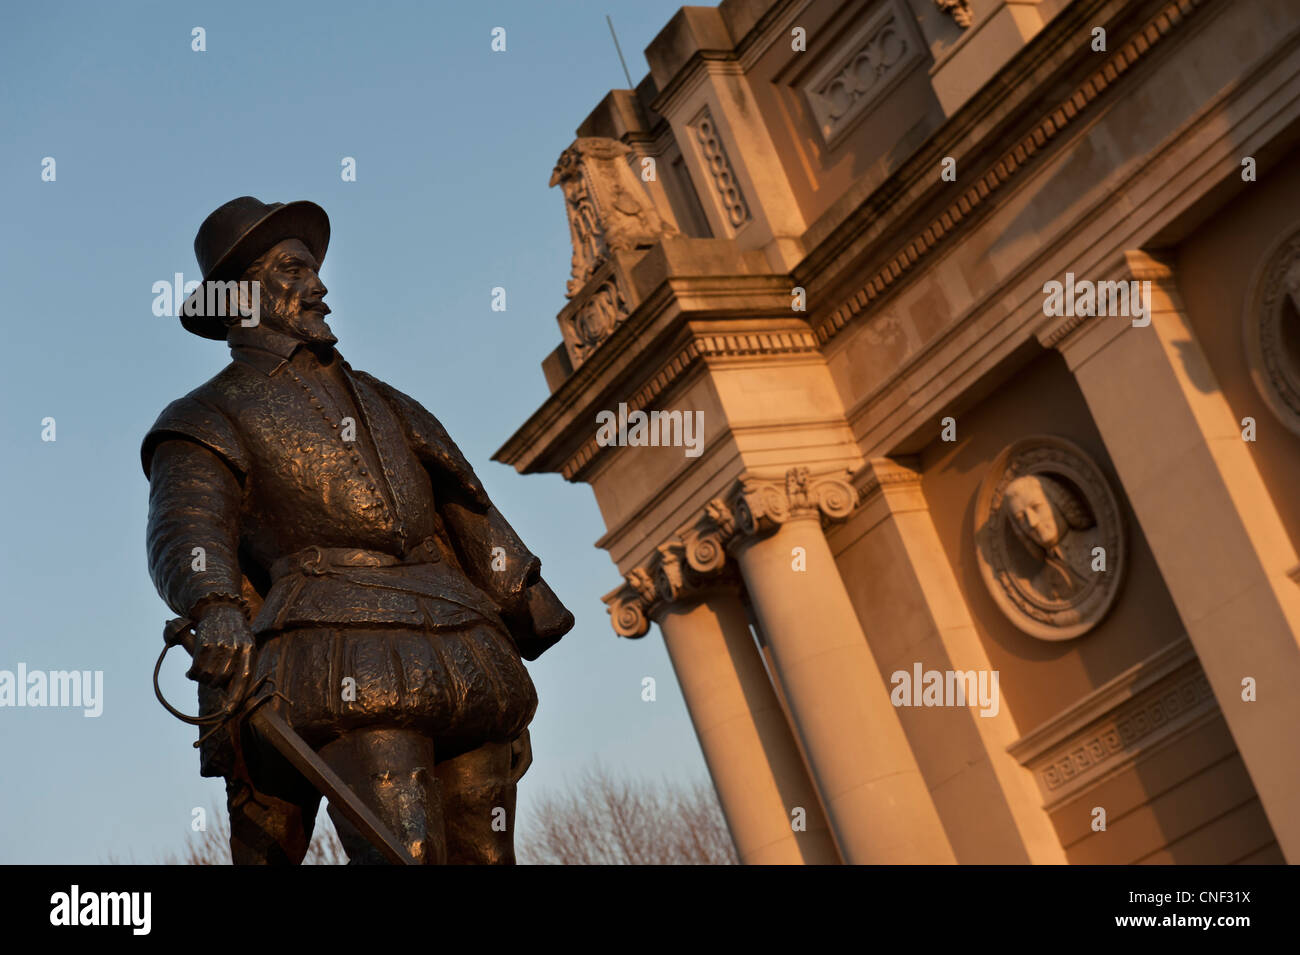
pixel 602 820
pixel 599 819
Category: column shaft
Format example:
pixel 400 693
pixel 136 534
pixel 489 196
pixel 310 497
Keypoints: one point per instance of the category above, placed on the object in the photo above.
pixel 878 805
pixel 1216 536
pixel 751 754
pixel 918 605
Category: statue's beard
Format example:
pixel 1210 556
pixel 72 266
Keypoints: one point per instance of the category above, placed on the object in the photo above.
pixel 306 325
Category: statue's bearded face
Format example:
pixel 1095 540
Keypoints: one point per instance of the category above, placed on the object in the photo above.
pixel 292 294
pixel 1027 504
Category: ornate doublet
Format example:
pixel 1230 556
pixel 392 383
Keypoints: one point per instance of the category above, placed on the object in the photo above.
pixel 343 513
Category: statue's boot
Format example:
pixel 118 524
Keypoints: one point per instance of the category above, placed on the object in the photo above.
pixel 272 809
pixel 392 772
pixel 265 830
pixel 478 799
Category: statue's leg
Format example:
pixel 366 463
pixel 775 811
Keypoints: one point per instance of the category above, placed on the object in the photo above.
pixel 392 771
pixel 478 797
pixel 273 815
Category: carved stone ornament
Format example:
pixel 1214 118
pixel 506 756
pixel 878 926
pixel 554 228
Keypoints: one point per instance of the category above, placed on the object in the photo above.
pixel 692 560
pixel 1272 330
pixel 762 505
pixel 695 558
pixel 1050 538
pixel 863 69
pixel 608 207
pixel 596 320
pixel 959 10
pixel 725 185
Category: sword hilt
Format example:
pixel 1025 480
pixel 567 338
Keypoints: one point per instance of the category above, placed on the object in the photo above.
pixel 270 725
pixel 179 631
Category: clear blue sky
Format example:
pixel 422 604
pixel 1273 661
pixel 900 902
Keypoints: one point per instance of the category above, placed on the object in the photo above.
pixel 454 147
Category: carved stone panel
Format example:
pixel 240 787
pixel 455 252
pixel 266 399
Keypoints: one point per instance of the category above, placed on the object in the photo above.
pixel 1119 725
pixel 863 70
pixel 594 316
pixel 1050 538
pixel 725 186
pixel 608 207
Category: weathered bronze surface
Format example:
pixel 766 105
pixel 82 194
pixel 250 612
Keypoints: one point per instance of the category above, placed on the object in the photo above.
pixel 344 569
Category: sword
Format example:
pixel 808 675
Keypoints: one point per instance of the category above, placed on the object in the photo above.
pixel 272 728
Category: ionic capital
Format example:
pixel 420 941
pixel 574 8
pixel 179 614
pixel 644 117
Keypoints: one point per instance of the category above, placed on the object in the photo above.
pixel 761 505
pixel 694 559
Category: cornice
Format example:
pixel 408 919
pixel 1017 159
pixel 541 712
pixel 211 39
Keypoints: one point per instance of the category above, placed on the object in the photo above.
pixel 1010 163
pixel 700 348
pixel 772 27
pixel 1036 64
pixel 880 476
pixel 1123 721
pixel 694 559
pixel 664 315
pixel 691 77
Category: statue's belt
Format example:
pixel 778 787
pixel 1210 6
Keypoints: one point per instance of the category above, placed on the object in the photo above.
pixel 246 704
pixel 316 560
pixel 353 586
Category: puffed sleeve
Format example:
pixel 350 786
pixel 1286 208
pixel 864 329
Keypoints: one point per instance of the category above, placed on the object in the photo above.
pixel 194 499
pixel 192 417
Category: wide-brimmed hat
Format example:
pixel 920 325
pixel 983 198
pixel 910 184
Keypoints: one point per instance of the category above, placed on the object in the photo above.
pixel 232 238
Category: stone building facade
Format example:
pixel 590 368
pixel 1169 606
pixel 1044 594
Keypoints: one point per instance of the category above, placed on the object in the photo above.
pixel 965 566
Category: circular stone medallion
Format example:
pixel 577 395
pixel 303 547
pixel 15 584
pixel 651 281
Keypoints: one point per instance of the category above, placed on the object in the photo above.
pixel 1272 330
pixel 1042 511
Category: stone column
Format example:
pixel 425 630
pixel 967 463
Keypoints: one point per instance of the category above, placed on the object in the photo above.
pixel 753 758
pixel 875 798
pixel 915 611
pixel 1216 536
pixel 751 755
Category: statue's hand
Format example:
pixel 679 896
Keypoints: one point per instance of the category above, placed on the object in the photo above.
pixel 223 648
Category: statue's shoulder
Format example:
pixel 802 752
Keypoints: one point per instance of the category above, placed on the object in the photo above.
pixel 205 416
pixel 401 402
pixel 429 439
pixel 378 384
pixel 408 409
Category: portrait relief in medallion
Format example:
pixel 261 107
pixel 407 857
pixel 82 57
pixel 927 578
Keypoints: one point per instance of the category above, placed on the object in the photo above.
pixel 1271 324
pixel 1049 538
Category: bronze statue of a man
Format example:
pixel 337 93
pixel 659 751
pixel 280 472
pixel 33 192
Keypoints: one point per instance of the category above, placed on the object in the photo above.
pixel 326 537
